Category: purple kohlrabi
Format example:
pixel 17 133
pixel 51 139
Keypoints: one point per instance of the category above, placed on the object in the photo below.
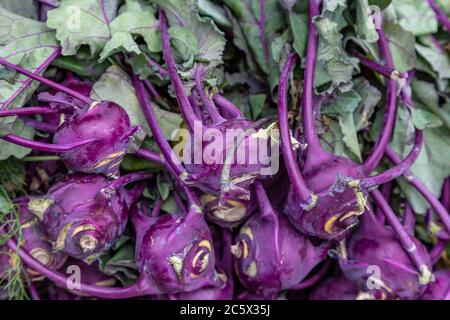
pixel 105 122
pixel 375 260
pixel 440 288
pixel 84 214
pixel 335 288
pixel 175 253
pixel 270 255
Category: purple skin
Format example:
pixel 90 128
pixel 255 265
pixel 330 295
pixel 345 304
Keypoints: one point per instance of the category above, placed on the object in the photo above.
pixel 36 243
pixel 214 293
pixel 226 182
pixel 109 125
pixel 335 288
pixel 106 123
pixel 373 244
pixel 83 215
pixel 440 288
pixel 270 255
pixel 175 254
pixel 4 262
pixel 443 19
pixel 325 201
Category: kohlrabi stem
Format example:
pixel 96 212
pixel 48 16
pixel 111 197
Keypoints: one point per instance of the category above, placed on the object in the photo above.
pixel 207 104
pixel 386 191
pixel 314 151
pixel 227 256
pixel 153 64
pixel 446 194
pixel 172 163
pixel 295 176
pixel 228 106
pixel 390 112
pixel 262 28
pixel 437 250
pixel 409 220
pixel 129 178
pixel 179 201
pixel 28 111
pixel 50 3
pixel 181 96
pixel 42 146
pixel 151 88
pixel 443 19
pixel 27 82
pixel 165 147
pixel 400 168
pixel 267 211
pixel 41 126
pixel 156 209
pixel 312 280
pixel 404 238
pixel 150 155
pixel 47 82
pixel 41 158
pixel 373 65
pixel 440 210
pixel 197 109
pixel 61 280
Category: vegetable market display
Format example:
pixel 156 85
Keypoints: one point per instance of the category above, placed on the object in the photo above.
pixel 225 150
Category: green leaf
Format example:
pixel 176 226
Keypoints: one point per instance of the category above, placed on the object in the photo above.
pixel 382 4
pixel 415 16
pixel 299 27
pixel 439 61
pixel 423 119
pixel 210 40
pixel 120 264
pixel 345 102
pixel 27 43
pixel 431 167
pixel 365 26
pixel 8 149
pixel 25 8
pixel 257 102
pixel 370 96
pixel 83 22
pixel 134 20
pixel 350 136
pixel 334 67
pixel 402 45
pixel 256 38
pixel 427 98
pixel 216 12
pixel 115 85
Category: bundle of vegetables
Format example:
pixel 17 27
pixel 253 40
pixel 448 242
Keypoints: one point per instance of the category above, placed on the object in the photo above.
pixel 236 149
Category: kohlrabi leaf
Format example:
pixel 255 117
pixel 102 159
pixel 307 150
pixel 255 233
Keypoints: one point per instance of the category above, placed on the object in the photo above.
pixel 259 26
pixel 83 22
pixel 426 97
pixel 415 16
pixel 334 67
pixel 299 27
pixel 350 136
pixel 120 264
pixel 370 96
pixel 257 102
pixel 24 8
pixel 423 119
pixel 27 43
pixel 437 59
pixel 115 85
pixel 382 4
pixel 365 24
pixel 402 45
pixel 432 165
pixel 214 11
pixel 135 19
pixel 185 25
pixel 342 103
pixel 8 149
